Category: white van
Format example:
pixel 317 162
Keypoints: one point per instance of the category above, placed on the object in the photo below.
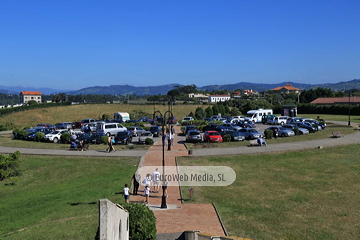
pixel 121 116
pixel 256 115
pixel 110 129
pixel 278 120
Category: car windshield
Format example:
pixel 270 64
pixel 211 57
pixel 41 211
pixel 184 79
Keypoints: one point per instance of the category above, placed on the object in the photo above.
pixel 119 134
pixel 194 133
pixel 154 128
pixel 213 134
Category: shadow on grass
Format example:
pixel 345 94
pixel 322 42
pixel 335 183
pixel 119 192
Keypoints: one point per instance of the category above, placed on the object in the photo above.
pixel 80 203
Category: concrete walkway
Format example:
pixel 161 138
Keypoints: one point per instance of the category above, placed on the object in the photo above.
pixel 178 217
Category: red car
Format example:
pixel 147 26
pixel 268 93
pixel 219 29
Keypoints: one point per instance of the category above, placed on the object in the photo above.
pixel 212 136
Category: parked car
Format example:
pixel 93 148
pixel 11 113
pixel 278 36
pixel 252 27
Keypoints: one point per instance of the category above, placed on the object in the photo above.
pixel 241 118
pixel 292 127
pixel 145 119
pixel 265 118
pixel 54 136
pixel 278 120
pixel 135 131
pixel 294 120
pixel 63 125
pixel 281 132
pixel 235 135
pixel 31 135
pixel 214 127
pixel 110 129
pixel 187 119
pixel 246 124
pixel 89 120
pixel 250 133
pixel 231 126
pixel 193 136
pixel 157 120
pixel 124 137
pixel 313 122
pixel 311 129
pixel 156 131
pixel 47 125
pixel 94 138
pixel 172 120
pixel 187 128
pixel 212 136
pixel 144 135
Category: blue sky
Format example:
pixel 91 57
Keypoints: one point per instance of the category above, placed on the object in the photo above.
pixel 76 44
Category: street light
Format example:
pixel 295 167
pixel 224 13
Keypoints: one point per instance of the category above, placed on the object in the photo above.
pixel 349 109
pixel 163 117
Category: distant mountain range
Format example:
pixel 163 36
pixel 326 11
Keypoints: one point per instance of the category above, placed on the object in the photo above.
pixel 163 89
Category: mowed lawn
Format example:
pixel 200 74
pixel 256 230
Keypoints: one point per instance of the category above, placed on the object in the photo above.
pixel 57 197
pixel 312 194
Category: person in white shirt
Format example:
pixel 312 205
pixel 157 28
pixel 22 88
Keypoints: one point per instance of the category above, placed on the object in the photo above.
pixel 147 193
pixel 126 193
pixel 156 179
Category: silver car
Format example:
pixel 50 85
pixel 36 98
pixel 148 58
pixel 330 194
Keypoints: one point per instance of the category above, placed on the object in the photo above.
pixel 193 136
pixel 144 135
pixel 292 127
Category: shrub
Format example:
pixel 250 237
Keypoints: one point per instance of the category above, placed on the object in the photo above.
pixel 19 134
pixel 149 141
pixel 227 138
pixel 296 131
pixel 3 128
pixel 142 222
pixel 65 137
pixel 268 134
pixel 104 139
pixel 9 166
pixel 39 136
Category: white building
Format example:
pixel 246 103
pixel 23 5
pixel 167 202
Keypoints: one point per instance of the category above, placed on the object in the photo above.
pixel 218 98
pixel 26 96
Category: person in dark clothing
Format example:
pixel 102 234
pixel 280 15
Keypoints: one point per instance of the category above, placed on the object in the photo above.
pixel 136 184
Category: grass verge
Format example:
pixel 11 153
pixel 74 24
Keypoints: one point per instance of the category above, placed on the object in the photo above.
pixel 57 197
pixel 311 194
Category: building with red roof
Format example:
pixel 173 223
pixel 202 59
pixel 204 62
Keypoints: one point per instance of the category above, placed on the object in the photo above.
pixel 26 96
pixel 288 88
pixel 353 100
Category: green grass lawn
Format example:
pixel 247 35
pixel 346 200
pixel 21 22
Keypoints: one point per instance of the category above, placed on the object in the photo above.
pixel 326 133
pixel 57 197
pixel 312 194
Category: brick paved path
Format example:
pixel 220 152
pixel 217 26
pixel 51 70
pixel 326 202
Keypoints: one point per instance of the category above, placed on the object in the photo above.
pixel 185 217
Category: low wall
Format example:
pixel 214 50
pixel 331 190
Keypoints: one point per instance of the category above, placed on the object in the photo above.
pixel 113 221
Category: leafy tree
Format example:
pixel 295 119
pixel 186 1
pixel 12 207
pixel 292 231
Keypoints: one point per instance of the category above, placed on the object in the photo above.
pixel 199 113
pixel 105 117
pixel 209 112
pixel 215 109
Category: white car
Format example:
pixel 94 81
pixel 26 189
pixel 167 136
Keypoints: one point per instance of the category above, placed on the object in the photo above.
pixel 278 120
pixel 187 119
pixel 55 135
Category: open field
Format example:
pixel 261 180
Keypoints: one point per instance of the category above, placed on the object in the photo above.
pixel 326 133
pixel 75 113
pixel 57 197
pixel 311 194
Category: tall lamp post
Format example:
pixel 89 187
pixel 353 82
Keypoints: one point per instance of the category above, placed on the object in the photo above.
pixel 163 117
pixel 349 109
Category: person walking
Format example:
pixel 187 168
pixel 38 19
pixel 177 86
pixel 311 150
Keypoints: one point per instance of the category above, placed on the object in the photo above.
pixel 110 144
pixel 126 193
